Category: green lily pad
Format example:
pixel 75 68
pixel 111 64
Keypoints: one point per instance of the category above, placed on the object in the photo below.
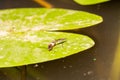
pixel 24 36
pixel 32 47
pixel 90 2
pixel 47 19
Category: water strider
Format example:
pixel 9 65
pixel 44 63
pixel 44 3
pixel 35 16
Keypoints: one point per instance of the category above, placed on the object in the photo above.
pixel 56 42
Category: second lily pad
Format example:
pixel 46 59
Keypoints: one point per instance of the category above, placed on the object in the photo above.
pixel 90 2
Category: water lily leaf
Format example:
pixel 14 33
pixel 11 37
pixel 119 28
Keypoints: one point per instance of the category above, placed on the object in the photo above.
pixel 24 38
pixel 46 19
pixel 18 48
pixel 90 2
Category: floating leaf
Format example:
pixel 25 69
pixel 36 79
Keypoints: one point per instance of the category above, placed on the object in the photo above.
pixel 46 19
pixel 24 38
pixel 32 47
pixel 90 2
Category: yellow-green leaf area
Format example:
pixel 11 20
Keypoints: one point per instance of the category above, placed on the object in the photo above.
pixel 25 37
pixel 46 19
pixel 90 2
pixel 18 48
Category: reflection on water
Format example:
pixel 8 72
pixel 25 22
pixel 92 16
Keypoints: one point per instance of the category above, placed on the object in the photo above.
pixel 115 70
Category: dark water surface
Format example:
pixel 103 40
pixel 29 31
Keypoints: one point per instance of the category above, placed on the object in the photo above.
pixel 92 64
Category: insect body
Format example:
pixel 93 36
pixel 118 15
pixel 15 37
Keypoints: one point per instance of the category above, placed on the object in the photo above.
pixel 56 42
